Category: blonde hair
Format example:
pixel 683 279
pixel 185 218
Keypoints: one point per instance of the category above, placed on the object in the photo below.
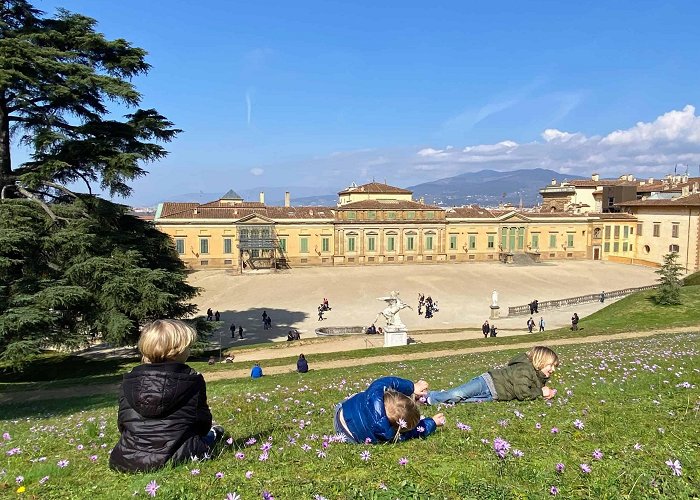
pixel 398 406
pixel 166 340
pixel 542 356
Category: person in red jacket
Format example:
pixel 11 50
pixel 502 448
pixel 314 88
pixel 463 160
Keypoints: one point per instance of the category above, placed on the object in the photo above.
pixel 163 413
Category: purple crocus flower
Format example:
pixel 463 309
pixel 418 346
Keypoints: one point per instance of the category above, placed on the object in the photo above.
pixel 233 496
pixel 501 447
pixel 403 461
pixel 152 487
pixel 578 424
pixel 559 467
pixel 554 430
pixel 219 475
pixel 365 455
pixel 585 468
pixel 554 491
pixel 597 454
pixel 249 474
pixel 266 495
pixel 675 466
pixel 62 463
pixel 517 453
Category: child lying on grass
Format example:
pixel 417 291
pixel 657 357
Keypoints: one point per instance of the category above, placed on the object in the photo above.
pixel 163 412
pixel 523 378
pixel 385 412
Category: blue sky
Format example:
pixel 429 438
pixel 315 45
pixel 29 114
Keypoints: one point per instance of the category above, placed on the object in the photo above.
pixel 319 94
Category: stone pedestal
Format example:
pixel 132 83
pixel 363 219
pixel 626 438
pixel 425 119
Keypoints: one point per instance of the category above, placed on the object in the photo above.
pixel 495 312
pixel 395 336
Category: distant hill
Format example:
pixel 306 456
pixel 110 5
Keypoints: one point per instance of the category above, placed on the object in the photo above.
pixel 489 187
pixel 485 188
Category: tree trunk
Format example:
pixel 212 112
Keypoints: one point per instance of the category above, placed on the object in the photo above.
pixel 6 176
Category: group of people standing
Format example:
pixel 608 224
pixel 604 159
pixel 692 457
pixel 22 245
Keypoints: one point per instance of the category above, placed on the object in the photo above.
pixel 531 324
pixel 267 321
pixel 213 316
pixel 489 330
pixel 323 307
pixel 428 303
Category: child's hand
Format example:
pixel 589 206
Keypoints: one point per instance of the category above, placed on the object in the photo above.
pixel 420 388
pixel 439 419
pixel 548 393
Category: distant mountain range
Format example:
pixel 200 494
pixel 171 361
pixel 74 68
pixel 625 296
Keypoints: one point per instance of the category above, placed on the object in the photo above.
pixel 485 188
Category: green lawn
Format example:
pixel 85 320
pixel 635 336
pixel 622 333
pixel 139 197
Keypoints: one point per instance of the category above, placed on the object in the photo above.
pixel 638 401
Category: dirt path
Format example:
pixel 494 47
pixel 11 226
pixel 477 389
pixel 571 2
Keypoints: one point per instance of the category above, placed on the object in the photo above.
pixel 335 345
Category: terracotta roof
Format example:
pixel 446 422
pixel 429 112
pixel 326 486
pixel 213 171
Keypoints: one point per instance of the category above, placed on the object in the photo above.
pixel 692 200
pixel 602 182
pixel 244 204
pixel 387 205
pixel 469 212
pixel 375 188
pixel 226 211
pixel 612 215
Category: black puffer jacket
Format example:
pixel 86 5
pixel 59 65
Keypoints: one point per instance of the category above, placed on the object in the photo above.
pixel 163 415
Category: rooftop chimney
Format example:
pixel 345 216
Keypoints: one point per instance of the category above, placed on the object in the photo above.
pixel 595 177
pixel 262 197
pixel 685 190
pixel 287 202
pixel 554 182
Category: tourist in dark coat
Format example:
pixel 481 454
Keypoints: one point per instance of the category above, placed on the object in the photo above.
pixel 302 364
pixel 163 413
pixel 485 328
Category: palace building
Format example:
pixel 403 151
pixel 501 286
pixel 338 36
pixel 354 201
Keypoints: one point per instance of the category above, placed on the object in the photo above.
pixel 620 220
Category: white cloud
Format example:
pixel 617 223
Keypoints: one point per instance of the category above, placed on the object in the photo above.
pixel 257 171
pixel 681 126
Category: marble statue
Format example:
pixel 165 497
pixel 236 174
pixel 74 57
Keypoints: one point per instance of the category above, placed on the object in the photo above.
pixel 494 299
pixel 391 312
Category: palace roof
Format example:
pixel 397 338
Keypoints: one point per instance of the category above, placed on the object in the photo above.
pixel 692 200
pixel 375 188
pixel 216 210
pixel 387 205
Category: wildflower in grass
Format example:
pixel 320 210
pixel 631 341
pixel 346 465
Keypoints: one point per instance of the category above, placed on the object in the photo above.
pixel 63 463
pixel 266 495
pixel 554 430
pixel 368 440
pixel 341 438
pixel 232 496
pixel 249 474
pixel 194 472
pixel 517 453
pixel 675 466
pixel 420 429
pixel 554 491
pixel 21 489
pixel 538 426
pixel 219 475
pixel 14 451
pixel 503 423
pixel 365 455
pixel 383 486
pixel 403 461
pixel 320 454
pixel 251 441
pixel 585 468
pixel 43 479
pixel 240 455
pixel 637 446
pixel 319 497
pixel 661 430
pixel 402 423
pixel 463 427
pixel 152 487
pixel 559 467
pixel 518 414
pixel 80 447
pixel 6 436
pixel 266 447
pixel 263 457
pixel 229 441
pixel 597 454
pixel 484 441
pixel 501 447
pixel 305 447
pixel 19 479
pixel 578 424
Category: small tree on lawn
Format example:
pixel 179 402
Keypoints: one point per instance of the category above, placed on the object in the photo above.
pixel 669 291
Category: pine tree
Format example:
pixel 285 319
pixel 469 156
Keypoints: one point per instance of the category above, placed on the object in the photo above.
pixel 73 265
pixel 670 283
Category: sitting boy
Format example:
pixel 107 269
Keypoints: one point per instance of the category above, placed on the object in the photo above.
pixel 163 413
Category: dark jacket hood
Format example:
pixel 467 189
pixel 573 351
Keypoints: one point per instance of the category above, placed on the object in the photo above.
pixel 157 389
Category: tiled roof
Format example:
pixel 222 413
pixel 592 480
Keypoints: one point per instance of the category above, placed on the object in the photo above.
pixel 601 182
pixel 231 195
pixel 244 204
pixel 692 200
pixel 226 211
pixel 387 205
pixel 612 215
pixel 469 212
pixel 375 188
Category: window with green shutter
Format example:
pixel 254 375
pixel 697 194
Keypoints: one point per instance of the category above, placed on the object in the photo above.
pixel 390 243
pixel 428 242
pixel 325 244
pixel 472 241
pixel 370 244
pixel 204 245
pixel 227 245
pixel 453 242
pixel 180 245
pixel 304 244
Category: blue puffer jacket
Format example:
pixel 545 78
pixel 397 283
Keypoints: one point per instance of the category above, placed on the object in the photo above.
pixel 365 415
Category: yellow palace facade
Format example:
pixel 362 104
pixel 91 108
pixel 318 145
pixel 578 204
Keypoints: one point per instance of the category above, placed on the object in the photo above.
pixel 379 224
